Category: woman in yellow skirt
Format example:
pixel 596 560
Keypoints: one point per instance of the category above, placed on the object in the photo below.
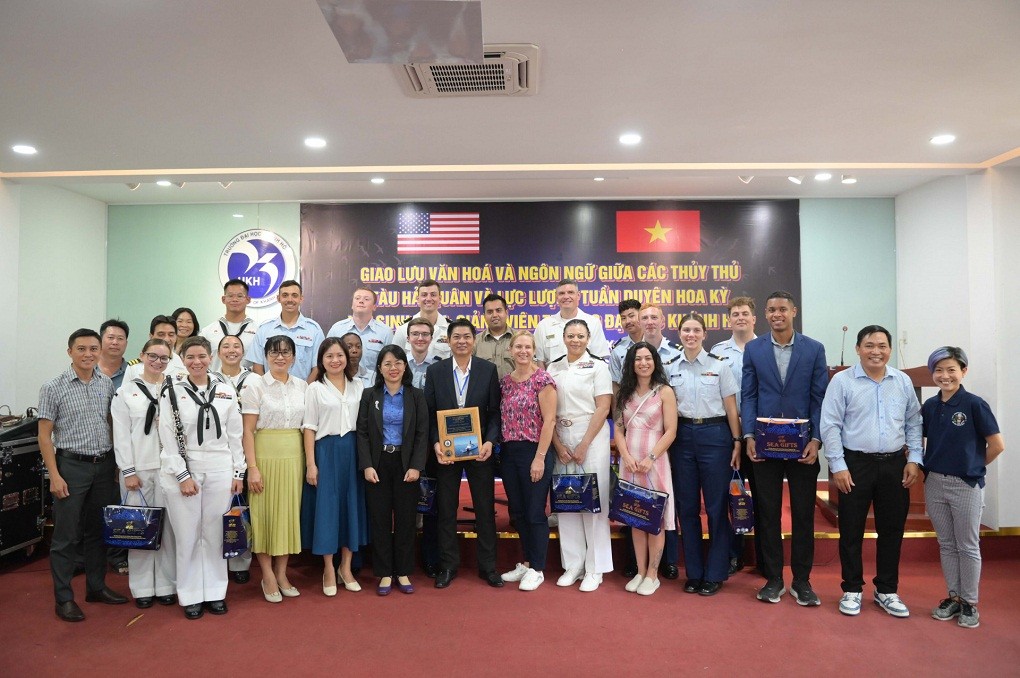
pixel 273 407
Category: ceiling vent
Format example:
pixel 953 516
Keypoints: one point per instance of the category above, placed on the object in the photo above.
pixel 505 70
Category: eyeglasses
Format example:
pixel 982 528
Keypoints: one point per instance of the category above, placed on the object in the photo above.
pixel 388 365
pixel 156 358
pixel 280 354
pixel 236 296
pixel 419 335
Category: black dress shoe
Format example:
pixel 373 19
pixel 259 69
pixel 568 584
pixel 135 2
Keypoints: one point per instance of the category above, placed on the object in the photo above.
pixel 736 565
pixel 193 611
pixel 70 612
pixel 241 576
pixel 166 600
pixel 669 571
pixel 630 571
pixel 692 585
pixel 709 588
pixel 107 595
pixel 431 570
pixel 444 577
pixel 144 603
pixel 216 606
pixel 492 579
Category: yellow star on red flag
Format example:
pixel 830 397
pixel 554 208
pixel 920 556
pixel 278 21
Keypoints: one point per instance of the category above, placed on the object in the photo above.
pixel 658 233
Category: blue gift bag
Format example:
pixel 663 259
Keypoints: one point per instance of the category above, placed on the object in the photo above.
pixel 133 527
pixel 575 493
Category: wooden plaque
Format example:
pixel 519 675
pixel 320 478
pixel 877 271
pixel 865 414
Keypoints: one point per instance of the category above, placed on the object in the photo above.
pixel 460 433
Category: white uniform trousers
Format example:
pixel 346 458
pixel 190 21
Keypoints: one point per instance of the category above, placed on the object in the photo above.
pixel 198 528
pixel 152 573
pixel 584 537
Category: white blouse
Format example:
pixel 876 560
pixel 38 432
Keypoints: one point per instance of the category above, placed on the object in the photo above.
pixel 133 449
pixel 278 404
pixel 329 412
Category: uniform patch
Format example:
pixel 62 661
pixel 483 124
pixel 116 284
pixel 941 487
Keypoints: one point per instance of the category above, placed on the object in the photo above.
pixel 958 419
pixel 585 363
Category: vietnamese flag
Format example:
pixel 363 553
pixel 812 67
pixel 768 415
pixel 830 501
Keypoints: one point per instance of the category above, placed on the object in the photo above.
pixel 658 231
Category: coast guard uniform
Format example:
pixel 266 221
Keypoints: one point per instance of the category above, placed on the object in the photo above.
pixel 307 336
pixel 134 411
pixel 549 337
pixel 584 537
pixel 211 419
pixel 418 369
pixel 374 336
pixel 214 332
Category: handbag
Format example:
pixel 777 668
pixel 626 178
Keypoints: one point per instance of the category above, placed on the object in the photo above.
pixel 133 527
pixel 741 505
pixel 237 537
pixel 575 493
pixel 639 507
pixel 427 495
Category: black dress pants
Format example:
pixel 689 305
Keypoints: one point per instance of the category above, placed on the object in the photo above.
pixel 79 518
pixel 802 480
pixel 392 507
pixel 480 475
pixel 878 482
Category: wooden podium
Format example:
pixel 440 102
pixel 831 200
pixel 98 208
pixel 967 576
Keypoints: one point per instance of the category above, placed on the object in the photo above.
pixel 917 516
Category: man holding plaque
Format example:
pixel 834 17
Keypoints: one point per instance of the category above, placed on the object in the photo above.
pixel 462 392
pixel 871 427
pixel 784 378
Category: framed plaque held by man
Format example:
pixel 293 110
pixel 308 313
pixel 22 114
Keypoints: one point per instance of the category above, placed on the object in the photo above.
pixel 460 433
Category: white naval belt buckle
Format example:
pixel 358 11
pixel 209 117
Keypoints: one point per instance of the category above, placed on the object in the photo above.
pixel 566 423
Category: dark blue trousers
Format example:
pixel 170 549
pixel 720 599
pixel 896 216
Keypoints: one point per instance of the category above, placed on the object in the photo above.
pixel 527 499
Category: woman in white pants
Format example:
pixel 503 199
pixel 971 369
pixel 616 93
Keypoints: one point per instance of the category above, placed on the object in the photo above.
pixel 134 412
pixel 581 441
pixel 199 480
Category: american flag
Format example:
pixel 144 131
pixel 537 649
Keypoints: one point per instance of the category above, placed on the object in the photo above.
pixel 438 233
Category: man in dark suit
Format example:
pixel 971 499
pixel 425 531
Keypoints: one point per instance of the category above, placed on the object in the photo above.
pixel 465 381
pixel 784 376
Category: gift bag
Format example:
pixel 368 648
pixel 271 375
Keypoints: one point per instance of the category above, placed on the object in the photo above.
pixel 781 438
pixel 133 527
pixel 575 493
pixel 741 505
pixel 637 506
pixel 427 496
pixel 236 528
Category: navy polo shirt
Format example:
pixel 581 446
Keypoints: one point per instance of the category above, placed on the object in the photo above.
pixel 955 433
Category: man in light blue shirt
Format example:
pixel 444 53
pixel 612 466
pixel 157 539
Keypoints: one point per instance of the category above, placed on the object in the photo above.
pixel 305 332
pixel 871 429
pixel 630 322
pixel 374 334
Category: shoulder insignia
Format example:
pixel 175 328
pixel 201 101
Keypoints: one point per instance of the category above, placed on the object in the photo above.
pixel 134 361
pixel 713 355
pixel 559 359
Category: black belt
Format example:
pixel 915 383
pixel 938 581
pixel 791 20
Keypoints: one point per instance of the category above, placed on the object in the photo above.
pixel 706 420
pixel 78 456
pixel 391 448
pixel 874 456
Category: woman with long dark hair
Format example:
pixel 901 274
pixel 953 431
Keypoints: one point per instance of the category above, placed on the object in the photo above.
pixel 645 427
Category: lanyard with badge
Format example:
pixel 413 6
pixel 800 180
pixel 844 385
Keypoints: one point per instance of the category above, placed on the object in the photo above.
pixel 461 385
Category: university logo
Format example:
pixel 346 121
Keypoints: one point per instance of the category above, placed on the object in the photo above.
pixel 260 258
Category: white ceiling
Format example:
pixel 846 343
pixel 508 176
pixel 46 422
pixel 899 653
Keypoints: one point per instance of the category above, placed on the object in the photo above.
pixel 112 91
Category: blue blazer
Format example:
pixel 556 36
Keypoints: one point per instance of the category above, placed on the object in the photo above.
pixel 763 394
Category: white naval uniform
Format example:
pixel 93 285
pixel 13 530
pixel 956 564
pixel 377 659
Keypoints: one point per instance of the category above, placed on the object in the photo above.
pixel 584 537
pixel 244 330
pixel 239 381
pixel 440 344
pixel 375 335
pixel 152 573
pixel 213 465
pixel 175 368
pixel 549 337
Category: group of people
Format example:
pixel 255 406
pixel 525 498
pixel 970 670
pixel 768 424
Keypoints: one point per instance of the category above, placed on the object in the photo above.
pixel 335 435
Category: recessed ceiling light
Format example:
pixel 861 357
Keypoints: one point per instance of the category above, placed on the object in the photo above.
pixel 239 216
pixel 848 179
pixel 599 179
pixel 796 180
pixel 823 176
pixel 162 182
pixel 24 149
pixel 943 139
pixel 315 142
pixel 378 180
pixel 630 139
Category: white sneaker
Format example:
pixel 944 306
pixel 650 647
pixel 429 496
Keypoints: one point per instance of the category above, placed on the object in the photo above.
pixel 515 574
pixel 591 582
pixel 648 587
pixel 569 577
pixel 891 603
pixel 531 580
pixel 850 604
pixel 633 584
